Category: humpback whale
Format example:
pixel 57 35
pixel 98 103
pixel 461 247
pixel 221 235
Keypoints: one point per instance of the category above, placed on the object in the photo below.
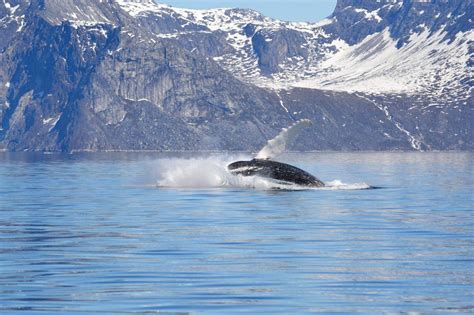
pixel 263 166
pixel 281 172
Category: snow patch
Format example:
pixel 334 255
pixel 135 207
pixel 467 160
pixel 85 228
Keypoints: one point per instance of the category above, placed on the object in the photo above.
pixel 11 8
pixel 426 63
pixel 324 22
pixel 52 121
pixel 140 7
pixel 370 15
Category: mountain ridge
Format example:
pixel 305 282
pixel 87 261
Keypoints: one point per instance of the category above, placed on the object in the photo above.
pixel 135 75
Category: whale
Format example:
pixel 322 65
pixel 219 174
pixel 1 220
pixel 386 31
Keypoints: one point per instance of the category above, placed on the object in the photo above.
pixel 281 172
pixel 263 165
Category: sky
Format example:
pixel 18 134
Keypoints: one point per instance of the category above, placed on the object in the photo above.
pixel 287 10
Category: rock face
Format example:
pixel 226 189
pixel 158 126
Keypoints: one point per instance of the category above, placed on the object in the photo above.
pixel 135 75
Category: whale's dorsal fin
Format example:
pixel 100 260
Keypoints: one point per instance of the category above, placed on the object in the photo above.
pixel 278 145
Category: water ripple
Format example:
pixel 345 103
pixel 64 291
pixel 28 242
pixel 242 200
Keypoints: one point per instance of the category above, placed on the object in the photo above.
pixel 93 234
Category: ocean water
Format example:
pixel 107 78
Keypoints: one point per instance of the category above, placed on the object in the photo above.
pixel 147 233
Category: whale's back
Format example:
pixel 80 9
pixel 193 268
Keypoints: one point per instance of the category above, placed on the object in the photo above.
pixel 276 170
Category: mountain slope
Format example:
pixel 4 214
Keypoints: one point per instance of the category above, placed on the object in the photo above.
pixel 136 75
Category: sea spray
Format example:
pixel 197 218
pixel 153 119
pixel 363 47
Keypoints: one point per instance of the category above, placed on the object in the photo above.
pixel 278 145
pixel 196 173
pixel 338 185
pixel 206 173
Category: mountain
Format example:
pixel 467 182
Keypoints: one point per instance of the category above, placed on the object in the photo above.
pixel 87 75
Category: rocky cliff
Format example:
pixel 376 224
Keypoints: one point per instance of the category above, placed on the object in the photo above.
pixel 136 75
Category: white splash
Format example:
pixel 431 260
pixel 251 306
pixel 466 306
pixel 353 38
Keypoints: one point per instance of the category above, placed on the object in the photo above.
pixel 338 185
pixel 278 145
pixel 206 173
pixel 193 173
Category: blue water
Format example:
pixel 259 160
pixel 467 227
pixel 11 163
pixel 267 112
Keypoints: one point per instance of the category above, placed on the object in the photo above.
pixel 94 233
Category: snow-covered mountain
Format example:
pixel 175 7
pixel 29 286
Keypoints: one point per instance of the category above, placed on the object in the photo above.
pixel 366 46
pixel 134 74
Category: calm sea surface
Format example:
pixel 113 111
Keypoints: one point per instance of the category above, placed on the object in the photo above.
pixel 167 233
